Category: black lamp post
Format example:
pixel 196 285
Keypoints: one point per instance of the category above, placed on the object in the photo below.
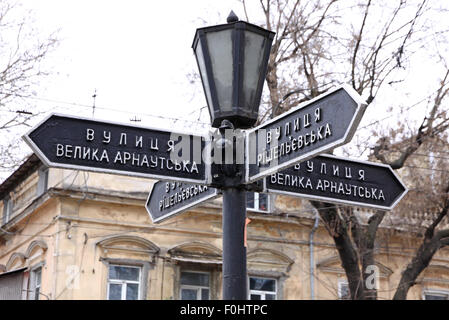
pixel 232 59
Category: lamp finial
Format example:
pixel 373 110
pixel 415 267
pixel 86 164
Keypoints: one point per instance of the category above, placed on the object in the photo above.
pixel 232 17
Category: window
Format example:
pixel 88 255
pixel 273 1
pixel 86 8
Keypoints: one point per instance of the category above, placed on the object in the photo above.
pixel 257 201
pixel 195 285
pixel 262 288
pixel 343 291
pixel 7 209
pixel 123 282
pixel 35 284
pixel 436 295
pixel 42 182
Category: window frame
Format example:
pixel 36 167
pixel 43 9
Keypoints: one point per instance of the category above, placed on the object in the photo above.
pixel 37 286
pixel 122 282
pixel 435 292
pixel 7 209
pixel 256 201
pixel 42 182
pixel 263 292
pixel 339 289
pixel 186 286
pixel 145 265
pixel 31 287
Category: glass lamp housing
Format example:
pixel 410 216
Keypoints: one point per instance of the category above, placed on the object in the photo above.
pixel 232 60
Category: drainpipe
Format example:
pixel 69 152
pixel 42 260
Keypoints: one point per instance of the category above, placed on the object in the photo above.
pixel 312 260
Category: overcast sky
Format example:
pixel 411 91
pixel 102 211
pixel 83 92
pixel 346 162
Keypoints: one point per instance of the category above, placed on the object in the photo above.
pixel 136 54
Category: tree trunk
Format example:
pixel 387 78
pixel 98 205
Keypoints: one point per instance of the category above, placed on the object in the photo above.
pixel 421 260
pixel 348 255
pixel 367 253
pixel 414 268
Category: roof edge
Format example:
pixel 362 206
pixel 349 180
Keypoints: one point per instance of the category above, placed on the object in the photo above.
pixel 30 163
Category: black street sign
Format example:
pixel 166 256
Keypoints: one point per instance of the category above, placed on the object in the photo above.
pixel 321 124
pixel 340 180
pixel 168 199
pixel 86 144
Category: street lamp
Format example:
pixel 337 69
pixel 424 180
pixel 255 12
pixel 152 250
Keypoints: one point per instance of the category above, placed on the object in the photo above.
pixel 232 59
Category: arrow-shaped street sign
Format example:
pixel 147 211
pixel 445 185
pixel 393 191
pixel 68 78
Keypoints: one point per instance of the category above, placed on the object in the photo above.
pixel 340 180
pixel 168 199
pixel 314 127
pixel 86 144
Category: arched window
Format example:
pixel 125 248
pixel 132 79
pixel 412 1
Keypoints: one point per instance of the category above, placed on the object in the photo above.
pixel 198 267
pixel 128 260
pixel 267 271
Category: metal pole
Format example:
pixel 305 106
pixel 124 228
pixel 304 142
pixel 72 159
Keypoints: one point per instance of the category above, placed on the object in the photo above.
pixel 235 285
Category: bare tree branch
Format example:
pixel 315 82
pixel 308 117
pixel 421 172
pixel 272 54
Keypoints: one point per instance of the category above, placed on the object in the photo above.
pixel 358 40
pixel 431 243
pixel 23 52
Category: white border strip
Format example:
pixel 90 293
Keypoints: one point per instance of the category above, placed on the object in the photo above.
pixel 358 114
pixel 49 163
pixel 340 201
pixel 181 209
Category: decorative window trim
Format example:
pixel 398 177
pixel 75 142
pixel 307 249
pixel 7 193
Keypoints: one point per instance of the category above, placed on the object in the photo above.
pixel 279 262
pixel 143 247
pixel 196 256
pixel 37 266
pixel 200 252
pixel 13 258
pixel 36 243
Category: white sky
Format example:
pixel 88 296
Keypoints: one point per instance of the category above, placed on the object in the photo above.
pixel 137 54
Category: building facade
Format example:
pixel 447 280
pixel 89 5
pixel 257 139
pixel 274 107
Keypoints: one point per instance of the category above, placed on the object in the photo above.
pixel 69 234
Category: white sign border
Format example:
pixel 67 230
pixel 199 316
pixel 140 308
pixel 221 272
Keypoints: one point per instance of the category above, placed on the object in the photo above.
pixel 48 163
pixel 182 209
pixel 340 201
pixel 358 114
